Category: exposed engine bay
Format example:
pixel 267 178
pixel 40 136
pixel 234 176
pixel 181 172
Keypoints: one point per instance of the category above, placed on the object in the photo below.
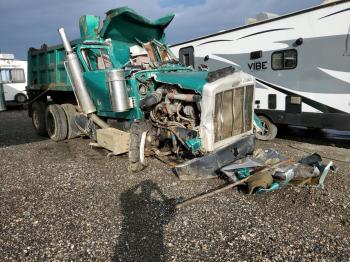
pixel 173 112
pixel 175 117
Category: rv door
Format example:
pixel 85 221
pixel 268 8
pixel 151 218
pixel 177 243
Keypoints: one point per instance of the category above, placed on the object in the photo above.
pixel 186 56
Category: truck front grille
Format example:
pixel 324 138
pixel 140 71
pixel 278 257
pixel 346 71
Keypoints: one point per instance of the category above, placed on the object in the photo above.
pixel 233 112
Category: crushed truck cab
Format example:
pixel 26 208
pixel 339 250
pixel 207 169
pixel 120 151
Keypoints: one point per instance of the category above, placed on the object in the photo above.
pixel 121 85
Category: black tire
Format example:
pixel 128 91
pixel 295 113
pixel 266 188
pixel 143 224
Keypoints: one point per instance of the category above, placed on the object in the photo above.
pixel 56 122
pixel 136 130
pixel 270 131
pixel 70 111
pixel 20 98
pixel 38 117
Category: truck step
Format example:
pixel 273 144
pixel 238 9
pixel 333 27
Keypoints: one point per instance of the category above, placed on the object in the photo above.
pixel 114 140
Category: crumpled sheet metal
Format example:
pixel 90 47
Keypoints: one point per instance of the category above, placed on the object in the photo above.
pixel 268 156
pixel 260 158
pixel 296 171
pixel 309 170
pixel 207 167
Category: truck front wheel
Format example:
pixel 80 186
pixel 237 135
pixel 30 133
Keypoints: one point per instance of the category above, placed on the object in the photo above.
pixel 38 117
pixel 56 122
pixel 136 130
pixel 269 132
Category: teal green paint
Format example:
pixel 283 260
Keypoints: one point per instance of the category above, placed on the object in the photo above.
pixel 194 80
pixel 275 186
pixel 98 89
pixel 46 70
pixel 257 122
pixel 125 28
pixel 95 49
pixel 132 84
pixel 194 144
pixel 121 52
pixel 97 86
pixel 125 25
pixel 243 173
pixel 122 25
pixel 2 98
pixel 185 77
pixel 89 25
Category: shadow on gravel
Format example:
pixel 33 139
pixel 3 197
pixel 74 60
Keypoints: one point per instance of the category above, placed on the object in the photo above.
pixel 146 210
pixel 315 136
pixel 16 128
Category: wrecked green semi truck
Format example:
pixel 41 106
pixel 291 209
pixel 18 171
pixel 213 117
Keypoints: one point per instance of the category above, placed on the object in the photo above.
pixel 120 85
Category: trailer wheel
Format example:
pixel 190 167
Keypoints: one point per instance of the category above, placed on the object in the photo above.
pixel 269 132
pixel 21 98
pixel 56 122
pixel 38 117
pixel 136 130
pixel 70 111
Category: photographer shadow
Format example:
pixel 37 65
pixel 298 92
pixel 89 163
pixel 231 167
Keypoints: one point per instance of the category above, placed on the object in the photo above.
pixel 146 210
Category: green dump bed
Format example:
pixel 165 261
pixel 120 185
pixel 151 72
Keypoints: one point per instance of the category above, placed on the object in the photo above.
pixel 46 69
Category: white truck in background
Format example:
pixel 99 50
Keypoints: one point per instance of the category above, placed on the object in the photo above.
pixel 13 76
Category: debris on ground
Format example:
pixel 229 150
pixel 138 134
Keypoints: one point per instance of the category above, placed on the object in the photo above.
pixel 68 202
pixel 267 171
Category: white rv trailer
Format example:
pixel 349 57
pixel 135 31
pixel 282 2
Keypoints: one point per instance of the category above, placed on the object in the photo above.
pixel 301 62
pixel 13 75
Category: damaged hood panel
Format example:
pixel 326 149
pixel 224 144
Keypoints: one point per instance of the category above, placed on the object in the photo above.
pixel 207 166
pixel 192 80
pixel 125 25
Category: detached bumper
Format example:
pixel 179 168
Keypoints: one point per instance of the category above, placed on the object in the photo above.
pixel 207 167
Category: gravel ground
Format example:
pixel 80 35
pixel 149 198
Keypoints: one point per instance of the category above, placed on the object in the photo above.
pixel 67 201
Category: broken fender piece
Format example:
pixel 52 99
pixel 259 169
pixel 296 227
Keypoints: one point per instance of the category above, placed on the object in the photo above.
pixel 206 167
pixel 324 175
pixel 273 187
pixel 262 180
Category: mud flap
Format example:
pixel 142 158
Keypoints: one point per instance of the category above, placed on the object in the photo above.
pixel 207 167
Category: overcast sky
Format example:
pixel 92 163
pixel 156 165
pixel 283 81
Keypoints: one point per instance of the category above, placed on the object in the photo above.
pixel 30 23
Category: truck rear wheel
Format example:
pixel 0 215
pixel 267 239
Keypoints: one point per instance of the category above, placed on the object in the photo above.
pixel 70 111
pixel 38 117
pixel 269 132
pixel 56 122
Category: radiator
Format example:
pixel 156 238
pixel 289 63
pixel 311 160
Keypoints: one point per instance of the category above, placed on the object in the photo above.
pixel 233 112
pixel 227 110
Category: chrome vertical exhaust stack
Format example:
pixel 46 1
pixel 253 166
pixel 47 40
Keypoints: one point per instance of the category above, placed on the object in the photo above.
pixel 76 74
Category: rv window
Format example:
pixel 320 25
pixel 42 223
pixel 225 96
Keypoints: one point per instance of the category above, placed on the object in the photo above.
pixel 255 55
pixel 286 59
pixel 12 75
pixel 277 61
pixel 17 76
pixel 272 101
pixel 186 56
pixel 5 75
